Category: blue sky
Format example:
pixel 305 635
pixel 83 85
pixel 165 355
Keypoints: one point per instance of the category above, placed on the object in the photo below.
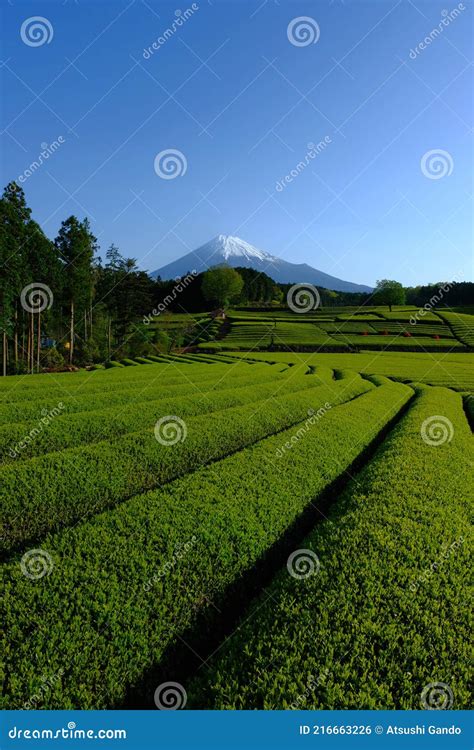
pixel 231 91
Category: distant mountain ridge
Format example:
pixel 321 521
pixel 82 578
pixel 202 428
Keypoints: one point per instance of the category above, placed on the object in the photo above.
pixel 237 252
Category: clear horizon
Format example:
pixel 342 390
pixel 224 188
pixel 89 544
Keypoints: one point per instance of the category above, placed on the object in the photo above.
pixel 351 153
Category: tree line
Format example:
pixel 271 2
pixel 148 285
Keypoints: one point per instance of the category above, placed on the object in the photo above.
pixel 58 302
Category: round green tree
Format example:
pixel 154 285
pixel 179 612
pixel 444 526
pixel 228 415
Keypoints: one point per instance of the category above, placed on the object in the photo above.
pixel 389 292
pixel 222 285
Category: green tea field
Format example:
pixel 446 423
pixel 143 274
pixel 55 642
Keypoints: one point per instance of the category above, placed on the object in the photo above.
pixel 275 518
pixel 344 329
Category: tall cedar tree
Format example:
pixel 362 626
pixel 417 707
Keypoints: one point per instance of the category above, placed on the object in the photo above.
pixel 76 246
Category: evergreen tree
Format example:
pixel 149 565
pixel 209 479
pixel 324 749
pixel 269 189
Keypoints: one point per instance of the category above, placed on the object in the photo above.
pixel 76 246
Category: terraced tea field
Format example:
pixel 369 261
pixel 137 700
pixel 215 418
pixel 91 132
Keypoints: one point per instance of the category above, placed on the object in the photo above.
pixel 261 529
pixel 262 335
pixel 346 329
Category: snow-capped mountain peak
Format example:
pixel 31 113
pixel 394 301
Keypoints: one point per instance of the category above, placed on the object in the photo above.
pixel 227 246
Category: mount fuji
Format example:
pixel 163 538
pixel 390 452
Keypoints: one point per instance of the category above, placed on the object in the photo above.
pixel 232 251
